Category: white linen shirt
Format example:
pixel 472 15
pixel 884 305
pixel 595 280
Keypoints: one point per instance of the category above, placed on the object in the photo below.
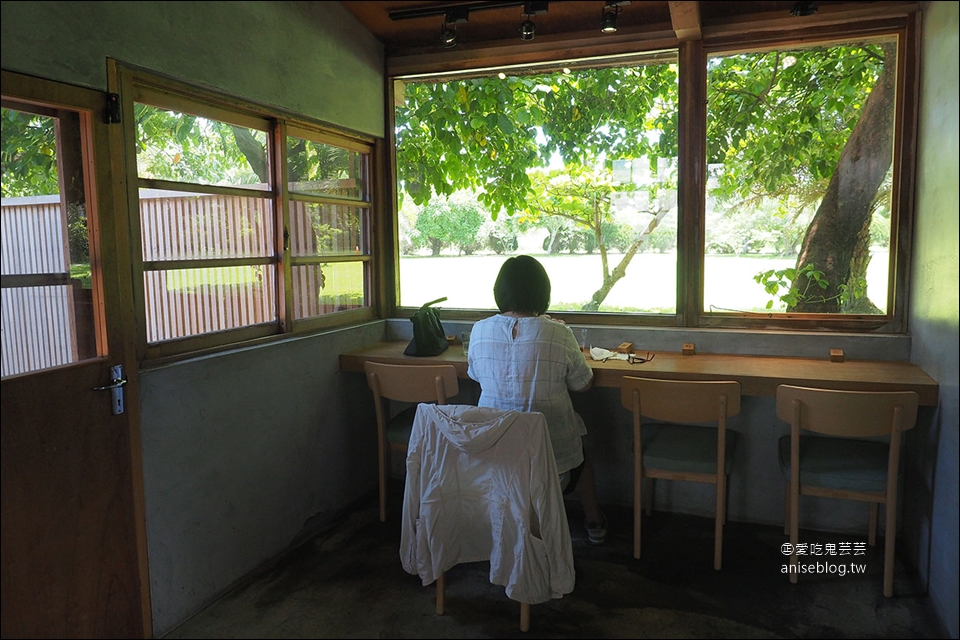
pixel 532 372
pixel 482 484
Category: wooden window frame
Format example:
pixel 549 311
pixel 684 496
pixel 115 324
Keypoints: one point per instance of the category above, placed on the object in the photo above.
pixel 136 85
pixel 692 55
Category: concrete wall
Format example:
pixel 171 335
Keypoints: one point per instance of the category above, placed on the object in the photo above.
pixel 304 57
pixel 932 514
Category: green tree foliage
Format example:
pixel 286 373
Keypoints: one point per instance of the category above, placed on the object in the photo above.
pixel 453 221
pixel 581 199
pixel 485 133
pixel 28 155
pixel 779 123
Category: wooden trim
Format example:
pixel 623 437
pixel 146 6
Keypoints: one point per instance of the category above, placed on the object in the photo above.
pixel 188 188
pixel 692 176
pixel 360 143
pixel 192 102
pixel 212 263
pixel 747 29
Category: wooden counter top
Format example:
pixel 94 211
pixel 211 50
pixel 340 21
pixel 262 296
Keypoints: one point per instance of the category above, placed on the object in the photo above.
pixel 757 375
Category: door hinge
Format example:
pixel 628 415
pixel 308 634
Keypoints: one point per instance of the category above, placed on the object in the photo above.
pixel 113 108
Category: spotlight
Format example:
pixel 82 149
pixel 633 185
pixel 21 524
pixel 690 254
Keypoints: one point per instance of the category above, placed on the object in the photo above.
pixel 448 32
pixel 608 19
pixel 448 36
pixel 804 9
pixel 527 29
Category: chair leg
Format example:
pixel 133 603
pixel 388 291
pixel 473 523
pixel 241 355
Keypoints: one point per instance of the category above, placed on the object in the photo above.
pixel 440 586
pixel 382 454
pixel 872 531
pixel 889 540
pixel 718 524
pixel 726 500
pixel 786 509
pixel 524 617
pixel 794 532
pixel 637 506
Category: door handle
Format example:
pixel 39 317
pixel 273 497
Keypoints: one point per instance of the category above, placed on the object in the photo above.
pixel 116 389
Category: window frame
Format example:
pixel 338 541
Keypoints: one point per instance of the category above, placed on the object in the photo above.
pixel 134 85
pixel 692 61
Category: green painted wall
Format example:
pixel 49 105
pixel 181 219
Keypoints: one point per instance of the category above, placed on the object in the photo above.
pixel 311 58
pixel 930 519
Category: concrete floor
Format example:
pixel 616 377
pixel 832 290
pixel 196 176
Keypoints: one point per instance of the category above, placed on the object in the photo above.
pixel 347 582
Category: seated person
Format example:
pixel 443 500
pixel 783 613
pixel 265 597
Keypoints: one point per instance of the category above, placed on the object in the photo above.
pixel 526 361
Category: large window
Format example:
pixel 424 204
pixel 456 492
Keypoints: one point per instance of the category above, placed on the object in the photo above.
pixel 576 165
pixel 240 240
pixel 796 150
pixel 799 195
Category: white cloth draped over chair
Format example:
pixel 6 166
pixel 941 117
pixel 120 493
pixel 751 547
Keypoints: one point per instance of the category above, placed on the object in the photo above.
pixel 482 485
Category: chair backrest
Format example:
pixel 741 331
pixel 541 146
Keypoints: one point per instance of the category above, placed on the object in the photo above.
pixel 681 400
pixel 847 413
pixel 412 382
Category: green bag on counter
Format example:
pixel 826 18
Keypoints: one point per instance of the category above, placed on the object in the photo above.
pixel 429 337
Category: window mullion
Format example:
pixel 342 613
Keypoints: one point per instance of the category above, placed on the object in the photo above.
pixel 282 197
pixel 692 135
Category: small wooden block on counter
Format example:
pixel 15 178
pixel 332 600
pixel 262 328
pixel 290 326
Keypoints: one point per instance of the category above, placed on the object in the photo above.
pixel 625 347
pixel 836 355
pixel 687 349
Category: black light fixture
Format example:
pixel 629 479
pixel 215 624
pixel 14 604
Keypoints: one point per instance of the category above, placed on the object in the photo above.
pixel 804 9
pixel 527 29
pixel 448 32
pixel 448 36
pixel 608 18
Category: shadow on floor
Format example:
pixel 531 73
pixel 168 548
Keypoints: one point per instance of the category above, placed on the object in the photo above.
pixel 347 582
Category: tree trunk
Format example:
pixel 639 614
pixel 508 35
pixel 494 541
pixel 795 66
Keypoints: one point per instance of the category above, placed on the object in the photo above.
pixel 621 269
pixel 834 243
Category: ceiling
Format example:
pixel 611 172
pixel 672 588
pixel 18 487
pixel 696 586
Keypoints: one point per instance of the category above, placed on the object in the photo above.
pixel 497 23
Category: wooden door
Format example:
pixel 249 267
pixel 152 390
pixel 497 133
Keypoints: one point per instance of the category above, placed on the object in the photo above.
pixel 73 535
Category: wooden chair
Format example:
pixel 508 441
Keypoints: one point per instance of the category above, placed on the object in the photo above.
pixel 482 485
pixel 680 450
pixel 403 383
pixel 845 463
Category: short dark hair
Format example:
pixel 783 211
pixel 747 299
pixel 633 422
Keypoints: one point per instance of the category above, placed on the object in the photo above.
pixel 522 286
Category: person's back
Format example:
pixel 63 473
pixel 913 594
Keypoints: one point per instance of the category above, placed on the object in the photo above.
pixel 525 361
pixel 529 364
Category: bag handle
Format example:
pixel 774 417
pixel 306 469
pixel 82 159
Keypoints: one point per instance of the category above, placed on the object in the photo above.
pixel 427 304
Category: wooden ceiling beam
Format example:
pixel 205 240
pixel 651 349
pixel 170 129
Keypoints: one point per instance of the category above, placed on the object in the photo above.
pixel 685 18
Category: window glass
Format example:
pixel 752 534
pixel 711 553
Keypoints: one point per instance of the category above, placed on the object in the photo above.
pixel 209 259
pixel 47 294
pixel 188 226
pixel 325 169
pixel 319 289
pixel 800 155
pixel 186 148
pixel 573 165
pixel 327 229
pixel 329 239
pixel 188 302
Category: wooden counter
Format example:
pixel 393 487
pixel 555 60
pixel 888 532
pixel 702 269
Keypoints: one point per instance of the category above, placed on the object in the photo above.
pixel 757 375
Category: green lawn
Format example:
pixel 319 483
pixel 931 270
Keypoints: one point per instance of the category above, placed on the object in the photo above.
pixel 648 286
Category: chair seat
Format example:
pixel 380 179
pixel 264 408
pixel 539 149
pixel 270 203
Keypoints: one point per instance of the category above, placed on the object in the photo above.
pixel 690 448
pixel 839 463
pixel 399 427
